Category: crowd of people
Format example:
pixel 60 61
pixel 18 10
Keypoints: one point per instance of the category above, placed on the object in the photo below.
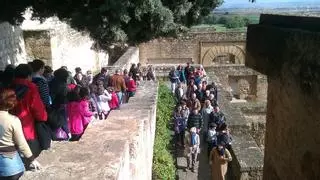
pixel 198 118
pixel 38 105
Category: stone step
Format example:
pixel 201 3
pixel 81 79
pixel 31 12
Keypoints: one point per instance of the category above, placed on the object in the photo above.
pixel 181 162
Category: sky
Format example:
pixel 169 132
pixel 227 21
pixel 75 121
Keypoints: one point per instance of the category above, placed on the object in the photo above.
pixel 231 3
pixel 266 1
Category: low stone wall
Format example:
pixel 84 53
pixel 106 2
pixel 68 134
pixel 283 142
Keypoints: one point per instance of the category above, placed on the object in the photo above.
pixel 247 163
pixel 131 56
pixel 224 72
pixel 119 148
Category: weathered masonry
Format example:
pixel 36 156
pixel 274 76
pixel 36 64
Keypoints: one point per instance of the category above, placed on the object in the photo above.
pixel 286 49
pixel 53 41
pixel 207 48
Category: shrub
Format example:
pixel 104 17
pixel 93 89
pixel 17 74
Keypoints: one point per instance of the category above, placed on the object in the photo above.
pixel 223 20
pixel 236 22
pixel 163 161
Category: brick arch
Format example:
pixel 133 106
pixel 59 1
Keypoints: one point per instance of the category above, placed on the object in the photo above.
pixel 214 51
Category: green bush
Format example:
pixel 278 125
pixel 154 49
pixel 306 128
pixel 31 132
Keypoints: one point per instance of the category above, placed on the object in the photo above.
pixel 230 21
pixel 223 20
pixel 235 22
pixel 163 161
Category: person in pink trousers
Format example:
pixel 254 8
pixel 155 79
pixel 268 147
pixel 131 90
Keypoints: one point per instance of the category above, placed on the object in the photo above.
pixel 78 113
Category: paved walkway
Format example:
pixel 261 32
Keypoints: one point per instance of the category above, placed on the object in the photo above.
pixel 203 171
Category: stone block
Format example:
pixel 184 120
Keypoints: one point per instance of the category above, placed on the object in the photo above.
pixel 288 53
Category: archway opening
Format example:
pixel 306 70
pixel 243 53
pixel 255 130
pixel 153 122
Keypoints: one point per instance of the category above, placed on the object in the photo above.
pixel 225 58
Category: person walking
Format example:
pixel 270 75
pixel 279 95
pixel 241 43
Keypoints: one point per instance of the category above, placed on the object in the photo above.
pixel 192 149
pixel 119 85
pixel 219 158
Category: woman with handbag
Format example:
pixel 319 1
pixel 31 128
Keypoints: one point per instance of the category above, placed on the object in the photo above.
pixel 12 140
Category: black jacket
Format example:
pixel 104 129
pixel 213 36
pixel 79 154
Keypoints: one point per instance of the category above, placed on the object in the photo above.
pixel 195 120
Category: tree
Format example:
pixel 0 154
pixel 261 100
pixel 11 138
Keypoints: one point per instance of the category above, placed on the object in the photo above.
pixel 223 20
pixel 235 22
pixel 210 19
pixel 115 21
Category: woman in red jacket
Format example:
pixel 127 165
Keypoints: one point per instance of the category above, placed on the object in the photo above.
pixel 30 107
pixel 131 86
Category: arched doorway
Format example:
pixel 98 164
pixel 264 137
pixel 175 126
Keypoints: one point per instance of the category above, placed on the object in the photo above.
pixel 224 58
pixel 224 54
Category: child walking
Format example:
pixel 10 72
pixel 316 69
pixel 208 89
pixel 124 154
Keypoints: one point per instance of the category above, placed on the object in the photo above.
pixel 78 113
pixel 212 137
pixel 103 98
pixel 93 100
pixel 114 103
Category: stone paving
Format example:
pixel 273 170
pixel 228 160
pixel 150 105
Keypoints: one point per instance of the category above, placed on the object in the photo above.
pixel 203 171
pixel 247 156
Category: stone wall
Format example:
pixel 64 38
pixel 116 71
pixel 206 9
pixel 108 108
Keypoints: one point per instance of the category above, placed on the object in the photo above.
pixel 287 50
pixel 61 46
pixel 68 46
pixel 38 45
pixel 12 47
pixel 190 47
pixel 259 84
pixel 247 163
pixel 119 148
pixel 131 56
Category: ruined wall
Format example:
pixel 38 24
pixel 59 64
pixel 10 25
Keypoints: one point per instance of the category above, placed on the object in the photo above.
pixel 187 48
pixel 68 47
pixel 131 56
pixel 171 51
pixel 259 82
pixel 288 52
pixel 38 45
pixel 12 47
pixel 247 163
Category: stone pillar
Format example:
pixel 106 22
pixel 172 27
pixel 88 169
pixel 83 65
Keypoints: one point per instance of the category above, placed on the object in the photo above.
pixel 287 50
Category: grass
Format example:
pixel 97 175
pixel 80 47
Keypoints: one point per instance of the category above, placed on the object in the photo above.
pixel 217 28
pixel 254 18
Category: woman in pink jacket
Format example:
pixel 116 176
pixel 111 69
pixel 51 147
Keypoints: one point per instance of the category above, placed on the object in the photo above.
pixel 78 113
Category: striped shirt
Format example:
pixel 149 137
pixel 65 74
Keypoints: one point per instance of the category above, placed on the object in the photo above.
pixel 43 88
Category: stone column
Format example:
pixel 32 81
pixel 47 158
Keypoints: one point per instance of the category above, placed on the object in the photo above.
pixel 287 50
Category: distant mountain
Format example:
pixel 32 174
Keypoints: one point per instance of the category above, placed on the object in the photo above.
pixel 270 4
